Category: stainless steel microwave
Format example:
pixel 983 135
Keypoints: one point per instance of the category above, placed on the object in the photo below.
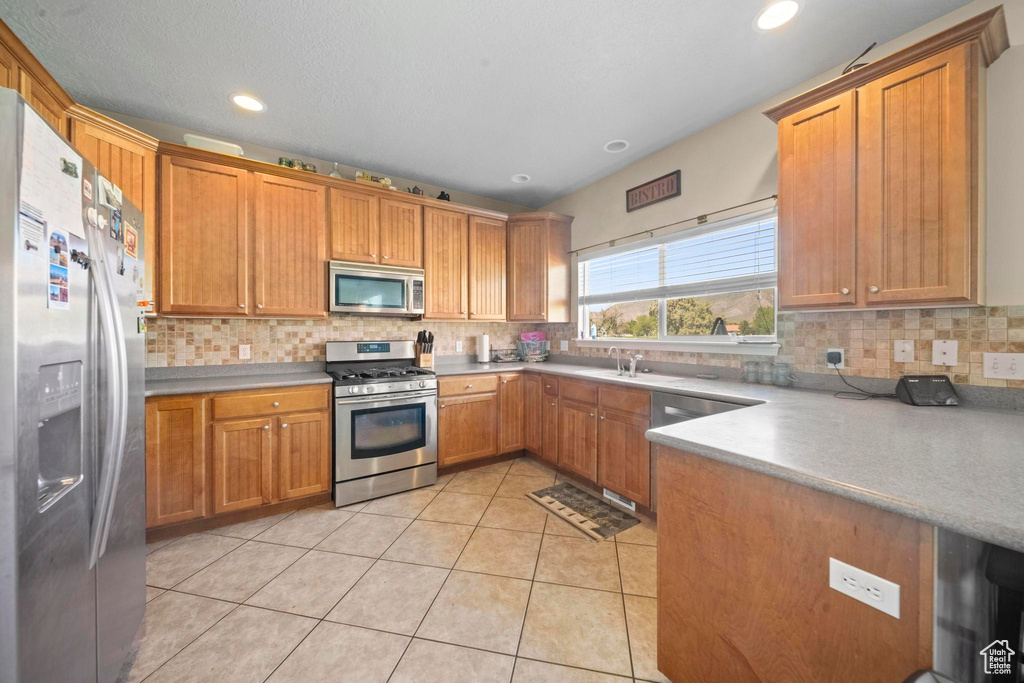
pixel 378 290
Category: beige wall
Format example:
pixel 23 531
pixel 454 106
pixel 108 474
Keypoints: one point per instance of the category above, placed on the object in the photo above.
pixel 734 161
pixel 170 133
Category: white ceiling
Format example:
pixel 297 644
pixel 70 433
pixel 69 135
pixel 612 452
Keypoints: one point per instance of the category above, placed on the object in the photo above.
pixel 459 93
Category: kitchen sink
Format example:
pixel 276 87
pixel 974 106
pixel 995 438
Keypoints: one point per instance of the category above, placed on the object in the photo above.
pixel 643 376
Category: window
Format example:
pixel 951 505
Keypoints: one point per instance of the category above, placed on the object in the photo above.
pixel 712 283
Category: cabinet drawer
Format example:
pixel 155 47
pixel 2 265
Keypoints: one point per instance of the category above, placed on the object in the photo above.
pixel 550 385
pixel 635 401
pixel 466 384
pixel 271 402
pixel 574 390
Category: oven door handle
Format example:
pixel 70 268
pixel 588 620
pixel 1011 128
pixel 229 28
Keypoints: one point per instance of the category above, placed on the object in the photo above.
pixel 393 399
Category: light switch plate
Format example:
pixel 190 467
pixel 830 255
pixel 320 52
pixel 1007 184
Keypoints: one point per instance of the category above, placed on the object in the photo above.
pixel 244 351
pixel 1004 365
pixel 872 590
pixel 944 352
pixel 458 346
pixel 903 350
pixel 563 345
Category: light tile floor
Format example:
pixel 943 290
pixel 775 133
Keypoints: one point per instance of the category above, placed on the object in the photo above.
pixel 463 581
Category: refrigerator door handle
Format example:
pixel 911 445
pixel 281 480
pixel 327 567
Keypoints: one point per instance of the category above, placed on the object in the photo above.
pixel 113 361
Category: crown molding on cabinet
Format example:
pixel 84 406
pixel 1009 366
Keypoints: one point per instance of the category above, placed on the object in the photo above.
pixel 79 113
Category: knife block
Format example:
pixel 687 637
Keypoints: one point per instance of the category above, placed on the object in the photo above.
pixel 424 360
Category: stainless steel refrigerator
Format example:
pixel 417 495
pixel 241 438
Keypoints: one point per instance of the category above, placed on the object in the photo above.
pixel 72 430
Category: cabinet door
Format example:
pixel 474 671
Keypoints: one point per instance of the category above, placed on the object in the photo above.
pixel 8 69
pixel 401 233
pixel 487 268
pixel 128 164
pixel 577 438
pixel 467 428
pixel 355 226
pixel 446 255
pixel 624 455
pixel 203 238
pixel 817 229
pixel 303 454
pixel 510 392
pixel 175 460
pixel 242 455
pixel 290 268
pixel 527 271
pixel 43 101
pixel 917 197
pixel 533 405
pixel 549 428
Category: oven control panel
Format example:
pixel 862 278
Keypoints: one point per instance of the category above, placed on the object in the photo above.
pixel 386 387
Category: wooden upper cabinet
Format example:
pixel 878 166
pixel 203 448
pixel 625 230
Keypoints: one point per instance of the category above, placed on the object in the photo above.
pixel 446 256
pixel 401 233
pixel 43 101
pixel 355 226
pixel 511 412
pixel 303 454
pixel 290 267
pixel 8 69
pixel 175 459
pixel 917 183
pixel 203 238
pixel 538 267
pixel 817 230
pixel 487 267
pixel 242 464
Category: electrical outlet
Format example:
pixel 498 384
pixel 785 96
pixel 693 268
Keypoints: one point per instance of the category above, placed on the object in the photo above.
pixel 244 351
pixel 458 346
pixel 903 351
pixel 1004 365
pixel 872 590
pixel 842 358
pixel 944 352
pixel 563 345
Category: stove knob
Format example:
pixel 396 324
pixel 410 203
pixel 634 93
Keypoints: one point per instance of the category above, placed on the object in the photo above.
pixel 423 383
pixel 369 390
pixel 353 390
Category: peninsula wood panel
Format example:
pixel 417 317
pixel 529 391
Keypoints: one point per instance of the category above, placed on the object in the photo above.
pixel 355 225
pixel 527 271
pixel 817 213
pixel 918 181
pixel 577 438
pixel 533 404
pixel 175 459
pixel 624 455
pixel 242 464
pixel 487 268
pixel 511 412
pixel 290 268
pixel 203 238
pixel 401 233
pixel 751 602
pixel 467 428
pixel 446 255
pixel 303 454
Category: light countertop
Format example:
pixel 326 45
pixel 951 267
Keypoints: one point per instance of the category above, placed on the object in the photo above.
pixel 216 383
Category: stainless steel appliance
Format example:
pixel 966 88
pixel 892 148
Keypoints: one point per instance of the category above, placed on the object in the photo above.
pixel 72 435
pixel 381 290
pixel 667 409
pixel 385 420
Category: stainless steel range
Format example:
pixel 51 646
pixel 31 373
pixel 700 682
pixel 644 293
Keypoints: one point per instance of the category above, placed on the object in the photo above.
pixel 385 420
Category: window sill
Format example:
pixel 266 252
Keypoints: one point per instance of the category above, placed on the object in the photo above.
pixel 731 347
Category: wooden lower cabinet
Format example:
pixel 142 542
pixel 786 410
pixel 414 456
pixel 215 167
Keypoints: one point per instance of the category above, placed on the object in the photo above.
pixel 510 415
pixel 624 455
pixel 577 438
pixel 467 428
pixel 242 464
pixel 175 459
pixel 210 454
pixel 549 429
pixel 533 410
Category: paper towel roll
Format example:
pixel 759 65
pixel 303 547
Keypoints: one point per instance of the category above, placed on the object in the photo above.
pixel 483 348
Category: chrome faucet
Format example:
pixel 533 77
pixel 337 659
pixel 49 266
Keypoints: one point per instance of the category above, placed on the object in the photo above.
pixel 632 363
pixel 618 363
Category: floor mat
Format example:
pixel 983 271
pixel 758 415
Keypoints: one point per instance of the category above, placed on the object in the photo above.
pixel 592 516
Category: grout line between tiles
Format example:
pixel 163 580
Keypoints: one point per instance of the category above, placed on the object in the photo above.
pixel 625 616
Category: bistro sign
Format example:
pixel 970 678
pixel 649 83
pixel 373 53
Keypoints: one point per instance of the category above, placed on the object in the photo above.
pixel 653 191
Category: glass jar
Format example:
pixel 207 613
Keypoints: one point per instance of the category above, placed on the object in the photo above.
pixel 783 375
pixel 750 371
pixel 766 372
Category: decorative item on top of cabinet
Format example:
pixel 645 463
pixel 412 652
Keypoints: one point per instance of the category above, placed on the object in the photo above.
pixel 446 256
pixel 915 162
pixel 487 268
pixel 289 268
pixel 511 411
pixel 538 267
pixel 175 459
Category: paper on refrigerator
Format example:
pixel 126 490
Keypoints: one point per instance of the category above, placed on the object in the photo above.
pixel 51 177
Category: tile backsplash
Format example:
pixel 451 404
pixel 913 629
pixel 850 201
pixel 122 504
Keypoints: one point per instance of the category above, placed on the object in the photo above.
pixel 866 336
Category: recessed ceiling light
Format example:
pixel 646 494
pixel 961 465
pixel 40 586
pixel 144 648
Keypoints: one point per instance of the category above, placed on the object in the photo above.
pixel 776 14
pixel 616 146
pixel 520 178
pixel 248 102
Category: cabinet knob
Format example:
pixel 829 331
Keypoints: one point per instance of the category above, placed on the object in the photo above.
pixel 469 386
pixel 241 305
pixel 387 256
pixel 472 312
pixel 547 386
pixel 873 289
pixel 276 404
pixel 442 405
pixel 284 425
pixel 504 381
pixel 552 405
pixel 266 428
pixel 259 305
pixel 591 415
pixel 845 290
pixel 373 255
pixel 602 417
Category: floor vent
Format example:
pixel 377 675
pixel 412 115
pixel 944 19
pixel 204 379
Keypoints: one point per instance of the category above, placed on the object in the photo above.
pixel 616 498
